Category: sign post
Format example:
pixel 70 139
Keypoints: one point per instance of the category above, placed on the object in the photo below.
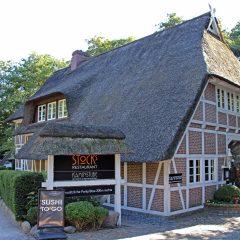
pixel 82 175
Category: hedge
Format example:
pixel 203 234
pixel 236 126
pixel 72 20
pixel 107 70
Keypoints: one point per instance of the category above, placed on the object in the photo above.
pixel 15 187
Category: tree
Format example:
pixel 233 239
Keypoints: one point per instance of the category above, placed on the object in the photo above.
pixel 18 81
pixel 234 37
pixel 172 20
pixel 99 45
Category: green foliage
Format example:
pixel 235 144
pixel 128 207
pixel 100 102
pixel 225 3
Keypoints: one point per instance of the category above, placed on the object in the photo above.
pixel 227 194
pixel 18 81
pixel 234 36
pixel 2 168
pixel 32 199
pixel 99 45
pixel 32 215
pixel 85 215
pixel 100 215
pixel 80 214
pixel 171 21
pixel 15 187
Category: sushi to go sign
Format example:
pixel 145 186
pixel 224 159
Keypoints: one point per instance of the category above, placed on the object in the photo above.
pixel 50 208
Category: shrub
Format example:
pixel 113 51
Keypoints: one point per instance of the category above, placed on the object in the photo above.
pixel 2 168
pixel 227 193
pixel 32 215
pixel 15 187
pixel 100 215
pixel 80 214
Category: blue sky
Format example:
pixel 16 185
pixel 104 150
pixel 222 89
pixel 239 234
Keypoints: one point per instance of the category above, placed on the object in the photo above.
pixel 58 27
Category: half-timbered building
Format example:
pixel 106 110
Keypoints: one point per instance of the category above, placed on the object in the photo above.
pixel 175 95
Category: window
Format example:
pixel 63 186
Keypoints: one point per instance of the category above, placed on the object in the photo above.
pixel 229 101
pixel 232 102
pixel 194 171
pixel 209 170
pixel 62 108
pixel 237 103
pixel 52 110
pixel 41 113
pixel 220 98
pixel 51 114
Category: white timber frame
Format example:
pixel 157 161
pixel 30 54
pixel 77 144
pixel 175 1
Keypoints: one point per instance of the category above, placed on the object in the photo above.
pixel 166 165
pixel 50 183
pixel 218 181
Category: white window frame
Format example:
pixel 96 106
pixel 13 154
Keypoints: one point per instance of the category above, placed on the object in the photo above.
pixel 195 174
pixel 51 110
pixel 211 169
pixel 41 117
pixel 237 103
pixel 62 108
pixel 227 100
pixel 221 101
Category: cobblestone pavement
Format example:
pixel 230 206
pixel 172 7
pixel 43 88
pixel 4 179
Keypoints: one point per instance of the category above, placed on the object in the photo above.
pixel 201 225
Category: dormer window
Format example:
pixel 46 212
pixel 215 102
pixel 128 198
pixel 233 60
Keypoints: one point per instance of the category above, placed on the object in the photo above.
pixel 41 113
pixel 62 108
pixel 51 111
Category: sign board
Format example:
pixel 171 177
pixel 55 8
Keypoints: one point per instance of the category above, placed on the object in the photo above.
pixel 50 208
pixel 89 190
pixel 175 178
pixel 84 167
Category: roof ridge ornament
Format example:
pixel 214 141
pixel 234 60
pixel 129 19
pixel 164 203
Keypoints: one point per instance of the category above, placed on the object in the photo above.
pixel 213 24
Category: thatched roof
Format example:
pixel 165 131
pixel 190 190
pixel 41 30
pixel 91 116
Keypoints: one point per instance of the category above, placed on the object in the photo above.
pixel 18 114
pixel 68 139
pixel 148 89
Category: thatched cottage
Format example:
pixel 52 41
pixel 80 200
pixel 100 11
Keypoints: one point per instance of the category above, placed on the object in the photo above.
pixel 171 99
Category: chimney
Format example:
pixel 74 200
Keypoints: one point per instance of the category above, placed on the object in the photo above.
pixel 78 57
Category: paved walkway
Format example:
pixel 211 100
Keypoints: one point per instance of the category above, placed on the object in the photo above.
pixel 8 228
pixel 203 225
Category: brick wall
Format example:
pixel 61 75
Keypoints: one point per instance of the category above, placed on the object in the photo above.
pixel 210 93
pixel 195 197
pixel 195 142
pixel 222 118
pixel 232 120
pixel 199 112
pixel 151 170
pixel 182 147
pixel 209 192
pixel 209 143
pixel 134 197
pixel 238 119
pixel 210 113
pixel 181 168
pixel 134 172
pixel 176 203
pixel 161 176
pixel 220 170
pixel 158 201
pixel 221 144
